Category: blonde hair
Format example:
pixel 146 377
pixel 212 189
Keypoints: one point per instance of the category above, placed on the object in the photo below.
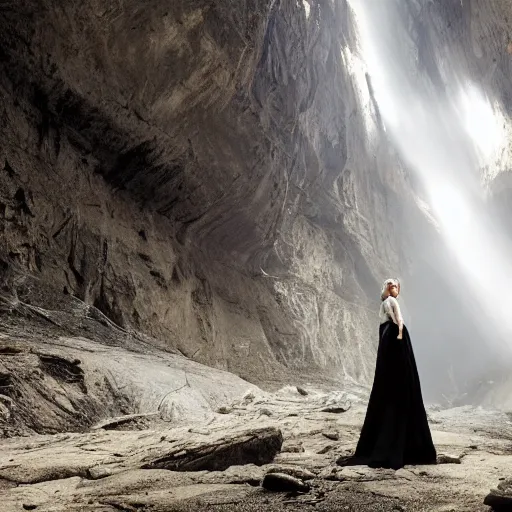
pixel 384 294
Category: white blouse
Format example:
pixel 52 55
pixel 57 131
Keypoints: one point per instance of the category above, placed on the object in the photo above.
pixel 390 310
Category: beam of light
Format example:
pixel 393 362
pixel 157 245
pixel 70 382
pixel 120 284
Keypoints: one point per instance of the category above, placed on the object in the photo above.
pixel 445 142
pixel 484 125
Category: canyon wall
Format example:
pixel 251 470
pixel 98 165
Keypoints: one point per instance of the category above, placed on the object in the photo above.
pixel 217 175
pixel 198 172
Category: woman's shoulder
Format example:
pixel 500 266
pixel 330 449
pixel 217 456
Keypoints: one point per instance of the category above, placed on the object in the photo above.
pixel 391 300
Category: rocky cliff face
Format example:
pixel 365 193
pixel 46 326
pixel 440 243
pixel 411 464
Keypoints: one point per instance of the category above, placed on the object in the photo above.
pixel 197 172
pixel 217 176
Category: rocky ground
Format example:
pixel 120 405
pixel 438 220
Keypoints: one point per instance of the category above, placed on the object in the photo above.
pixel 91 426
pixel 220 463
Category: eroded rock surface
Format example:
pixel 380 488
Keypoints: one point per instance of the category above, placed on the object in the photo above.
pixel 53 381
pixel 103 469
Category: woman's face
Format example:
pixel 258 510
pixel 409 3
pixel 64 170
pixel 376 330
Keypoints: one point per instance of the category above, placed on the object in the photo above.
pixel 393 290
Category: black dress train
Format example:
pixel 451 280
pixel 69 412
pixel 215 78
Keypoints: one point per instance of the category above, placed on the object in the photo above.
pixel 395 431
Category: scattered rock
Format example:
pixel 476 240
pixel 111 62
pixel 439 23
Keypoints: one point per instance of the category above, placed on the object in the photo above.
pixel 224 410
pixel 332 434
pixel 297 472
pixel 443 458
pixel 326 449
pixel 29 506
pixel 344 459
pixel 97 472
pixel 292 447
pixel 334 409
pixel 302 391
pixel 265 412
pixel 280 482
pixel 500 499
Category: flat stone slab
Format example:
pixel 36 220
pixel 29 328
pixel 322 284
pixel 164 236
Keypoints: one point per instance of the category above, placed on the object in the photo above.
pixel 252 447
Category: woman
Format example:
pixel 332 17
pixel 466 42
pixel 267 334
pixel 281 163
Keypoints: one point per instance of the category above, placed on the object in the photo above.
pixel 395 430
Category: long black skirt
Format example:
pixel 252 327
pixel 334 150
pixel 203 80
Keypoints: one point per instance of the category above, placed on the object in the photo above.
pixel 395 431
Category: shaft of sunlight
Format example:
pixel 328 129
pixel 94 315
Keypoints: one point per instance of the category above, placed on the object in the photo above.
pixel 445 142
pixel 483 125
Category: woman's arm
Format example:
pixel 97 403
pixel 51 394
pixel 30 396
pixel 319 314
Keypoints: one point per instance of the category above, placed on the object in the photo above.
pixel 398 316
